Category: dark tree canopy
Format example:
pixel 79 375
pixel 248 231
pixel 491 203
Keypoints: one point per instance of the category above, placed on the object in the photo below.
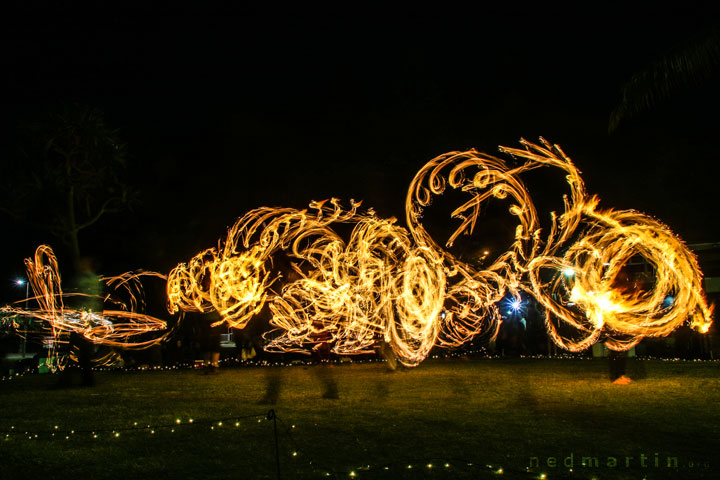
pixel 690 63
pixel 67 174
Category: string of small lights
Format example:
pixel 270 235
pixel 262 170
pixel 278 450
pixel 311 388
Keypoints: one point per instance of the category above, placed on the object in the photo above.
pixel 293 454
pixel 232 362
pixel 61 432
pixel 450 466
pixel 296 459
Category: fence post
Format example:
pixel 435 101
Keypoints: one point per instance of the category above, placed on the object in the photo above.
pixel 271 416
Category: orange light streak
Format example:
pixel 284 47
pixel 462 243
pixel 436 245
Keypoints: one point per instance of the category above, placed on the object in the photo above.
pixel 399 285
pixel 121 325
pixel 386 283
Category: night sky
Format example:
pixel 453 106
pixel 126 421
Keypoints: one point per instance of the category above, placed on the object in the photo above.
pixel 227 110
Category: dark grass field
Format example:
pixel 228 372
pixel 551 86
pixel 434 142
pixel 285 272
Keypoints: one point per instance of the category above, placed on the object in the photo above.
pixel 453 418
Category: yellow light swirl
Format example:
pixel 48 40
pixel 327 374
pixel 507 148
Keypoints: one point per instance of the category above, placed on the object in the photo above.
pixel 122 325
pixel 387 283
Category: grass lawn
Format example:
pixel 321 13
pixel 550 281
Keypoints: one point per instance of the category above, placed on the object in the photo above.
pixel 479 417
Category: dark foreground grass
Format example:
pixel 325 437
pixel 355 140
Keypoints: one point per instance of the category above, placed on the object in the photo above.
pixel 466 418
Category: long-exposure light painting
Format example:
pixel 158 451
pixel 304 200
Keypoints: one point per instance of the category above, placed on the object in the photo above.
pixel 387 283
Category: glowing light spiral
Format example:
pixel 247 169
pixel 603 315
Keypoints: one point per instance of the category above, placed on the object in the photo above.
pixel 392 284
pixel 596 297
pixel 386 283
pixel 120 325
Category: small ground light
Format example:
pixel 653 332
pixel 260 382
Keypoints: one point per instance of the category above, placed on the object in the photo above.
pixel 429 465
pixel 543 476
pixel 447 465
pixel 294 454
pixel 177 421
pixel 352 474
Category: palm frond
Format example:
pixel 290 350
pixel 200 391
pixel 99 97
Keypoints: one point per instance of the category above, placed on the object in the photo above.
pixel 690 64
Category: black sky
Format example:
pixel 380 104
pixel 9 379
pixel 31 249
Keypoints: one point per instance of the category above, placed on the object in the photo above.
pixel 225 110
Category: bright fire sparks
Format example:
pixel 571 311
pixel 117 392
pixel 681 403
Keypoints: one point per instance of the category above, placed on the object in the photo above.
pixel 386 283
pixel 119 324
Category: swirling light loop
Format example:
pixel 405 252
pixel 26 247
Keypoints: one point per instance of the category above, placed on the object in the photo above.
pixel 386 283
